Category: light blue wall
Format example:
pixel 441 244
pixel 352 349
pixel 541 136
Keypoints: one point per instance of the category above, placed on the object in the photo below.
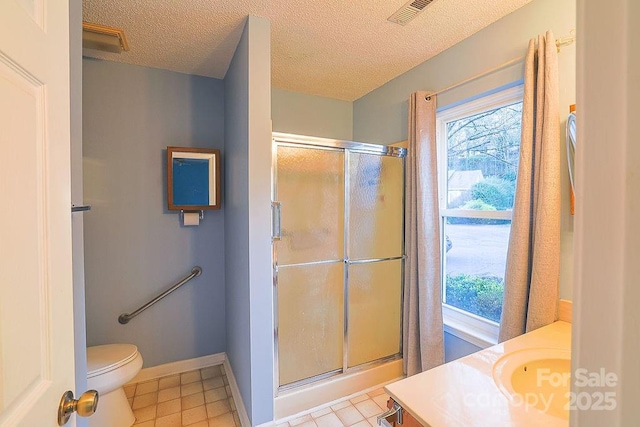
pixel 238 343
pixel 312 115
pixel 249 296
pixel 455 348
pixel 134 247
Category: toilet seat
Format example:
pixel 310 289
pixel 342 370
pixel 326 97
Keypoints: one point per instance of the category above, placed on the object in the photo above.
pixel 106 358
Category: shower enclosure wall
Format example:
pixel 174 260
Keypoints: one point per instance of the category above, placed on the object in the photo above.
pixel 338 252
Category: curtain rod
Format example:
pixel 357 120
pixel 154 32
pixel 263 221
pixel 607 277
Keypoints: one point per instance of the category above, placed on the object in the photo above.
pixel 561 42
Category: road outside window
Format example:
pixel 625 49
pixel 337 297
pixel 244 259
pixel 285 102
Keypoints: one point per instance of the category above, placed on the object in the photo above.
pixel 479 149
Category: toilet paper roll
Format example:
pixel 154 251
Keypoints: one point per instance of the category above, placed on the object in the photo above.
pixel 191 218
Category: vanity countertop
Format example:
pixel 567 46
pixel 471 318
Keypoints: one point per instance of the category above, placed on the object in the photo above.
pixel 463 392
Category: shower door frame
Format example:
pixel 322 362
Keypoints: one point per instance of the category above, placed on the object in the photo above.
pixel 347 147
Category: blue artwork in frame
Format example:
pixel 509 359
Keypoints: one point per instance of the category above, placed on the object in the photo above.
pixel 193 178
pixel 190 181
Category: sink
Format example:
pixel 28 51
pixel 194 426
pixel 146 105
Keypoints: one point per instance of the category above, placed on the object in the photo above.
pixel 537 379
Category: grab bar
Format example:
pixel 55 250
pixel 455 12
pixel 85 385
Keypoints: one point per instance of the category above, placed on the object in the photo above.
pixel 125 317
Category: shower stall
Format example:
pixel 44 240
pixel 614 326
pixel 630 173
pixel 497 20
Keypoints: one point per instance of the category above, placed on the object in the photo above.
pixel 338 257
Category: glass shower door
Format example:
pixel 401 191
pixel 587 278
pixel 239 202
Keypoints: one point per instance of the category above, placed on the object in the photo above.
pixel 375 256
pixel 309 262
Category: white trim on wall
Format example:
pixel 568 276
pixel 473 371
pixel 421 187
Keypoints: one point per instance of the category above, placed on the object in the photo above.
pixel 178 367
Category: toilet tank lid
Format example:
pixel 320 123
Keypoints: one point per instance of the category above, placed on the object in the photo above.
pixel 105 358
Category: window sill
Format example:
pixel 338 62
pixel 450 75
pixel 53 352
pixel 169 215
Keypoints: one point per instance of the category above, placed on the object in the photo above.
pixel 478 331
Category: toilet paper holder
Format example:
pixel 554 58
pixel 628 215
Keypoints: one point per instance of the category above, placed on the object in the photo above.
pixel 183 212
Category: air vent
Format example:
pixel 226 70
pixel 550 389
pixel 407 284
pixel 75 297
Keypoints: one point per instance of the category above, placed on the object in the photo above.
pixel 409 11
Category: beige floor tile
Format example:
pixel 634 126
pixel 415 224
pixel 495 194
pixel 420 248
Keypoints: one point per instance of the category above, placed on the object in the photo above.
pixel 150 423
pixel 146 387
pixel 329 420
pixel 321 412
pixel 204 423
pixel 210 372
pixel 222 370
pixel 359 398
pixel 194 415
pixel 225 380
pixel 173 420
pixel 193 400
pixel 130 400
pixel 232 404
pixel 349 415
pixel 283 425
pixel 381 400
pixel 373 421
pixel 363 423
pixel 224 420
pixel 228 389
pixel 192 388
pixel 341 405
pixel 376 392
pixel 212 383
pixel 130 390
pixel 168 394
pixel 308 424
pixel 168 382
pixel 301 420
pixel 190 377
pixel 169 407
pixel 145 414
pixel 144 400
pixel 369 408
pixel 215 394
pixel 236 418
pixel 217 408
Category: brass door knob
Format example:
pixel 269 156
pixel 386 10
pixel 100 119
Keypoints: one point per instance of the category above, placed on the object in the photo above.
pixel 85 406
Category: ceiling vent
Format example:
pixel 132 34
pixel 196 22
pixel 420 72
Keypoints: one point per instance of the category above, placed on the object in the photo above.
pixel 409 11
pixel 103 38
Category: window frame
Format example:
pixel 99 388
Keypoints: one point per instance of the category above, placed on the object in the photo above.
pixel 460 323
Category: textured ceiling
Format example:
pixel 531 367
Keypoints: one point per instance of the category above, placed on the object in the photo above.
pixel 334 48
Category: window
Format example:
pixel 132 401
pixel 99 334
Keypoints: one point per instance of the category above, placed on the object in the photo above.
pixel 478 153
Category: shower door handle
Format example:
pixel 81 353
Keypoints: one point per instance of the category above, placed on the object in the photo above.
pixel 276 221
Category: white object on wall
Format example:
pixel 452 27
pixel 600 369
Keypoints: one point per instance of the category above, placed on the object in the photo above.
pixel 191 218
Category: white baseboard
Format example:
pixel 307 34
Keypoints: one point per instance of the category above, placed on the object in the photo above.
pixel 237 397
pixel 178 367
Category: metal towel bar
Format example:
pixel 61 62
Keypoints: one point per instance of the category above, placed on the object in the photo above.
pixel 125 317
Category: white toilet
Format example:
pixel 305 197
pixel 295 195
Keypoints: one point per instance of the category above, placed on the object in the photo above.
pixel 109 367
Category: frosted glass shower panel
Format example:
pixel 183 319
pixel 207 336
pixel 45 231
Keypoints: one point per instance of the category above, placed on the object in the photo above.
pixel 376 194
pixel 374 311
pixel 310 320
pixel 310 188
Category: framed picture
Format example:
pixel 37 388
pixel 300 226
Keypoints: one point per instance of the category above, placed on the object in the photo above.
pixel 193 178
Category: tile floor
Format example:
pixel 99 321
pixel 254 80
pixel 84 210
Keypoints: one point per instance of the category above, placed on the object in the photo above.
pixel 202 398
pixel 199 398
pixel 360 411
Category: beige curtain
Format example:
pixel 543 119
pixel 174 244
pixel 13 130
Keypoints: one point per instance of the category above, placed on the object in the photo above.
pixel 533 259
pixel 423 333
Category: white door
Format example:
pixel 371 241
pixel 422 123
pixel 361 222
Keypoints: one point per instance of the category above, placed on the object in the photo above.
pixel 36 306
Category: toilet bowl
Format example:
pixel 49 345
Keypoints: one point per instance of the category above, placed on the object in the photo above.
pixel 109 367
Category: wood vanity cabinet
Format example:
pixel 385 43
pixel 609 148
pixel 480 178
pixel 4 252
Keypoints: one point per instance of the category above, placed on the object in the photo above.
pixel 407 419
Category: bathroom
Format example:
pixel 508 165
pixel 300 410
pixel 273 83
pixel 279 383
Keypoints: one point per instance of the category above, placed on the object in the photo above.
pixel 134 247
pixel 126 187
